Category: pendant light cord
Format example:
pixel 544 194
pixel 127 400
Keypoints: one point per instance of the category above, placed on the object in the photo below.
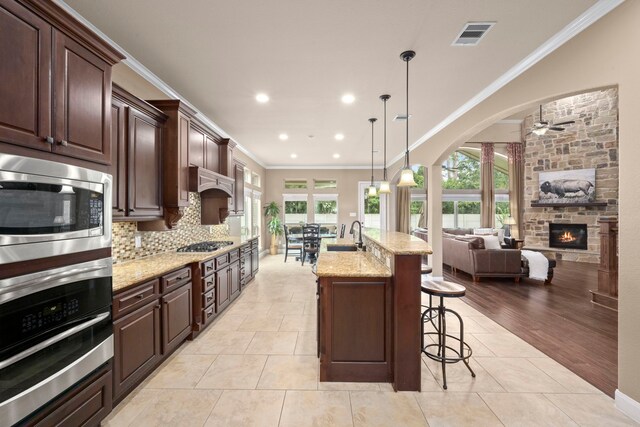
pixel 406 154
pixel 385 141
pixel 372 121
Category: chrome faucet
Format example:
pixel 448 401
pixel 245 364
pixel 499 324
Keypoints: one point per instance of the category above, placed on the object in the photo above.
pixel 359 231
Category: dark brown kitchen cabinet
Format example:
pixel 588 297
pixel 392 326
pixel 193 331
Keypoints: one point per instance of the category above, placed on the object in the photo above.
pixel 196 146
pixel 176 317
pixel 57 77
pixel 212 155
pixel 136 160
pixel 82 96
pixel 223 296
pixel 255 259
pixel 118 168
pixel 238 175
pixel 145 165
pixel 87 404
pixel 234 280
pixel 136 347
pixel 25 67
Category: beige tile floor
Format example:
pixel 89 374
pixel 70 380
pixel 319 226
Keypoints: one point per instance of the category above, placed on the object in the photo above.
pixel 256 366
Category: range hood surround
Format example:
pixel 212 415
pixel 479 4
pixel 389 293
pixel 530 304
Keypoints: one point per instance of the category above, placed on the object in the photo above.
pixel 215 191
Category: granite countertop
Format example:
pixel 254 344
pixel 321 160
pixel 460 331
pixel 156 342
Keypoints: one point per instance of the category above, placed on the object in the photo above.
pixel 398 243
pixel 130 273
pixel 350 264
pixel 335 241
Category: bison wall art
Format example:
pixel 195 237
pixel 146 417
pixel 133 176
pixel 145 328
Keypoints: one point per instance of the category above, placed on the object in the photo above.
pixel 573 186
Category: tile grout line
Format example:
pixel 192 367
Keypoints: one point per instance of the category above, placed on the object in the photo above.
pixel 491 409
pixel 559 408
pixel 284 399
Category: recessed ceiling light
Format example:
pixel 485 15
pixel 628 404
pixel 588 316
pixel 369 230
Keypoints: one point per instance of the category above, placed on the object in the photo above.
pixel 336 156
pixel 348 98
pixel 294 155
pixel 262 98
pixel 339 136
pixel 283 136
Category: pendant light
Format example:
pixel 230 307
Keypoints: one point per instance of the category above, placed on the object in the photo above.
pixel 406 176
pixel 385 188
pixel 372 187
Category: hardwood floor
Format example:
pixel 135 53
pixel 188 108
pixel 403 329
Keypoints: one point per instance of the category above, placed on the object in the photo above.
pixel 558 319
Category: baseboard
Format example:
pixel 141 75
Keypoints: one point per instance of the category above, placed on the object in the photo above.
pixel 630 407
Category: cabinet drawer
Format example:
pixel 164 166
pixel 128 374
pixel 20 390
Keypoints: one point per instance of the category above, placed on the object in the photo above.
pixel 209 283
pixel 87 407
pixel 245 249
pixel 131 299
pixel 176 279
pixel 221 261
pixel 208 314
pixel 233 256
pixel 208 267
pixel 254 243
pixel 208 298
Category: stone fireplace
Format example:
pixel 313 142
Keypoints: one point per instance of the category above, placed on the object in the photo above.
pixel 592 142
pixel 568 236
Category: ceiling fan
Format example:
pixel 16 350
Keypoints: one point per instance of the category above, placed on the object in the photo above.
pixel 542 126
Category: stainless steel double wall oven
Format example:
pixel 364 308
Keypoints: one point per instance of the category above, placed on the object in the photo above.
pixel 55 324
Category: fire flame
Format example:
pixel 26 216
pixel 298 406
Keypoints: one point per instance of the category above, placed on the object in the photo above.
pixel 567 237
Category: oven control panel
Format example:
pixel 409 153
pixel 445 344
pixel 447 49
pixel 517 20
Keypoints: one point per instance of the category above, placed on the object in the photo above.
pixel 50 315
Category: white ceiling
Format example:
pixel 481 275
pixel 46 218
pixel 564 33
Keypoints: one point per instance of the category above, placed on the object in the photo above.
pixel 305 55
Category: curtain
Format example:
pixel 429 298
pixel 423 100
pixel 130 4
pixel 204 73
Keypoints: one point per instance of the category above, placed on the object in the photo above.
pixel 487 206
pixel 515 156
pixel 403 212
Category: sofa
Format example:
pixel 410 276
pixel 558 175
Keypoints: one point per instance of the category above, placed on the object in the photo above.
pixel 468 254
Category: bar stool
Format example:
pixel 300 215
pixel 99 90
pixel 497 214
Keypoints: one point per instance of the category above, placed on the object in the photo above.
pixel 438 352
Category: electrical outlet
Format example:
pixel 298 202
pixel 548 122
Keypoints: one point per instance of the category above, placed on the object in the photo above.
pixel 352 214
pixel 138 240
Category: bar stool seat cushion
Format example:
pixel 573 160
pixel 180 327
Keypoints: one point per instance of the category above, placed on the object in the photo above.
pixel 442 288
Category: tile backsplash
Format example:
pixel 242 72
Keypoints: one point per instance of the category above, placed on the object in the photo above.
pixel 189 230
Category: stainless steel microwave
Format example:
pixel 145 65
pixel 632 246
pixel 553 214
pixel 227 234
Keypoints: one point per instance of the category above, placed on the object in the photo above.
pixel 49 208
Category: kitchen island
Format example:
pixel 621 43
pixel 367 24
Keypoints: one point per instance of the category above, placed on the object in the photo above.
pixel 369 311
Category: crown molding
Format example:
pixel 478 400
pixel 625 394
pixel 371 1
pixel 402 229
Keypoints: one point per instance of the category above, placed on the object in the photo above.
pixel 588 17
pixel 156 81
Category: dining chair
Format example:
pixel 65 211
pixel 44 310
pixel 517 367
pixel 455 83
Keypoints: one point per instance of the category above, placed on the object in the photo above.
pixel 310 243
pixel 291 244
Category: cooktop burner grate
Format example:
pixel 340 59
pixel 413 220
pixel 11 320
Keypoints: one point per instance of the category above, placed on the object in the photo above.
pixel 205 246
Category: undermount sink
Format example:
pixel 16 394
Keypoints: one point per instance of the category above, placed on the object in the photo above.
pixel 342 248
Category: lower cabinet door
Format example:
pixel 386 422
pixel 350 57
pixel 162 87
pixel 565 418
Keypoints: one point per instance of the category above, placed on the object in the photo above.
pixel 136 348
pixel 234 280
pixel 255 261
pixel 176 317
pixel 223 296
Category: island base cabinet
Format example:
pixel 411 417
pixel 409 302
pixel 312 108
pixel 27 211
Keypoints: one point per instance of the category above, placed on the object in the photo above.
pixel 176 318
pixel 355 329
pixel 136 347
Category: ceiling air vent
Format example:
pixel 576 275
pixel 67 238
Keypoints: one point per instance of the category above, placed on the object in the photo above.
pixel 472 33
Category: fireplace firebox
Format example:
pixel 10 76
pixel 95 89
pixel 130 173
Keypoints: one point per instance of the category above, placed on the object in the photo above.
pixel 568 236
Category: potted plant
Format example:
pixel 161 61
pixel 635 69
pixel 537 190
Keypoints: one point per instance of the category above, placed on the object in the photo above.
pixel 274 225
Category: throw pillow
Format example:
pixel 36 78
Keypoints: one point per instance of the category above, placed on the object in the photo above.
pixel 475 241
pixel 500 232
pixel 491 242
pixel 482 231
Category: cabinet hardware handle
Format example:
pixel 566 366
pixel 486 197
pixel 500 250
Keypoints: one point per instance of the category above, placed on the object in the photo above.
pixel 49 140
pixel 179 278
pixel 140 296
pixel 63 143
pixel 132 210
pixel 157 306
pixel 120 210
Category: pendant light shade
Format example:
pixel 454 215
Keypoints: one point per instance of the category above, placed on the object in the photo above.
pixel 406 176
pixel 372 188
pixel 385 188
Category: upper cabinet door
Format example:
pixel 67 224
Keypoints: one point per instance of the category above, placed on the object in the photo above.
pixel 82 95
pixel 239 188
pixel 25 69
pixel 145 165
pixel 196 147
pixel 212 156
pixel 118 169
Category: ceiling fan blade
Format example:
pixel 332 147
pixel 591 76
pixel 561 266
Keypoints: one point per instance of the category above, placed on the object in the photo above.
pixel 570 122
pixel 558 128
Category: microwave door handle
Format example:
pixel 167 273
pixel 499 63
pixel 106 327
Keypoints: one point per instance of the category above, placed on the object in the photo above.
pixel 66 334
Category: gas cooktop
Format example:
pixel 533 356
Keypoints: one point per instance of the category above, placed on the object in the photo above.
pixel 205 246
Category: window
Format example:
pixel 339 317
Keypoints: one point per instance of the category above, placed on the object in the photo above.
pixel 501 188
pixel 461 171
pixel 247 175
pixel 295 209
pixel 324 183
pixel 325 209
pixel 503 211
pixel 461 209
pixel 418 210
pixel 255 179
pixel 256 217
pixel 372 210
pixel 247 223
pixel 295 184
